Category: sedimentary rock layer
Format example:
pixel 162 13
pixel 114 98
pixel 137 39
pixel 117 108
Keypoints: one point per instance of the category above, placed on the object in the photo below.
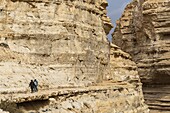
pixel 59 40
pixel 144 32
pixel 120 91
pixel 62 43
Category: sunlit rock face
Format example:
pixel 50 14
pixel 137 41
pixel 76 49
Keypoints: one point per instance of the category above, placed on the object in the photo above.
pixel 63 44
pixel 55 40
pixel 144 32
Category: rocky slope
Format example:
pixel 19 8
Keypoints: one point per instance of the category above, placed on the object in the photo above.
pixel 144 32
pixel 62 43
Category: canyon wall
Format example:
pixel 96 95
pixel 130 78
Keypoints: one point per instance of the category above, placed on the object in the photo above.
pixel 53 39
pixel 144 32
pixel 63 44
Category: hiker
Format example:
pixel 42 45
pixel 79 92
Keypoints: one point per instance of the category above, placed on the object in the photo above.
pixel 32 85
pixel 36 85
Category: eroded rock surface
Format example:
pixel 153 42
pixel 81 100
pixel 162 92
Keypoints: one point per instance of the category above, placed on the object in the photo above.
pixel 53 39
pixel 62 43
pixel 144 32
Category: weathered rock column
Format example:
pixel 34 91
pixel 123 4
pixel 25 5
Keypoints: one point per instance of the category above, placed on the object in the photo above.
pixel 143 31
pixel 63 44
pixel 59 42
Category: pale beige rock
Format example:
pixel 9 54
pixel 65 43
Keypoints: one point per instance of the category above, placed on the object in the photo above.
pixel 63 44
pixel 143 31
pixel 51 40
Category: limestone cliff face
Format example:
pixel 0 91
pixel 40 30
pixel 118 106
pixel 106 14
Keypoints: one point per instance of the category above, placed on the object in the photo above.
pixel 55 40
pixel 144 32
pixel 62 43
pixel 119 91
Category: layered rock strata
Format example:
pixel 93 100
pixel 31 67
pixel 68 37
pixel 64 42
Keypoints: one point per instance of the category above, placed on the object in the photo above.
pixel 120 91
pixel 53 39
pixel 62 43
pixel 144 32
